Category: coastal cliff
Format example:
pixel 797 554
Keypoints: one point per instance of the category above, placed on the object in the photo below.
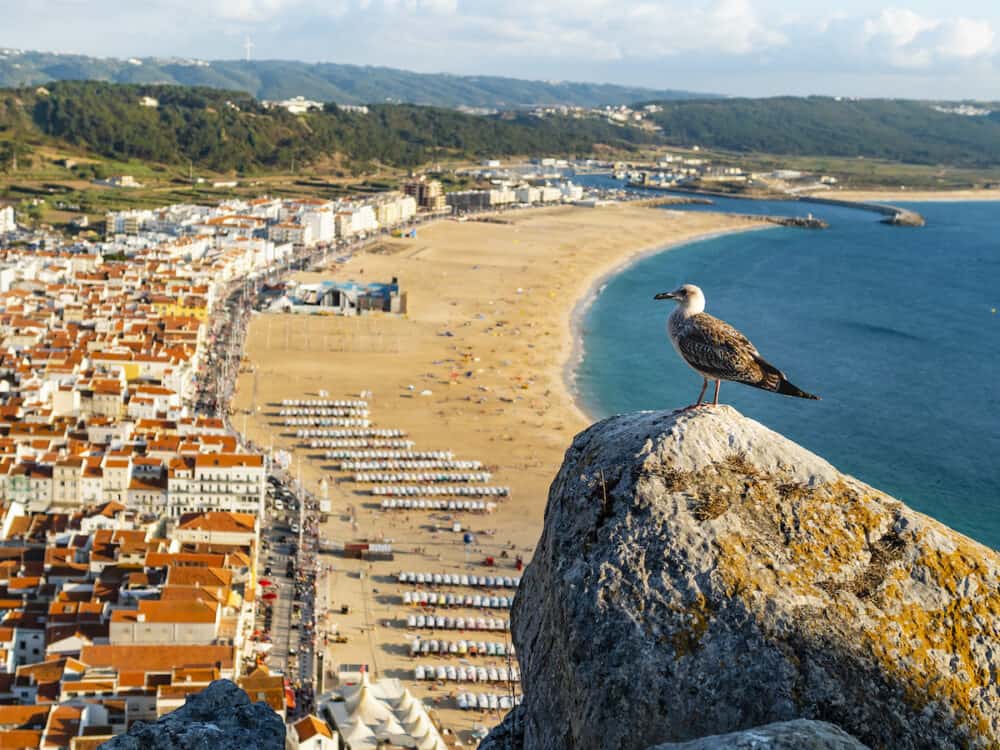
pixel 699 574
pixel 220 717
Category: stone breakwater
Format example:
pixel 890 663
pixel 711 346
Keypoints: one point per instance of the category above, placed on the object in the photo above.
pixel 699 574
pixel 894 215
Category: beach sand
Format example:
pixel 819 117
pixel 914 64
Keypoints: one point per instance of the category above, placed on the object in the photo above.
pixel 914 196
pixel 489 332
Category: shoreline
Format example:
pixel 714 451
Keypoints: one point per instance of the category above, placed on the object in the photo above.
pixel 584 302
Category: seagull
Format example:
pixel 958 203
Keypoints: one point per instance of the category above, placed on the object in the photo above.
pixel 717 351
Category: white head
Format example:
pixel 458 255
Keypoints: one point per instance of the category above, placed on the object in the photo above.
pixel 688 297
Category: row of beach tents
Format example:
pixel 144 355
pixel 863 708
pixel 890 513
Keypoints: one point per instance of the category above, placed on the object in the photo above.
pixel 484 702
pixel 459 648
pixel 410 465
pixel 368 432
pixel 324 422
pixel 459 579
pixel 454 673
pixel 397 490
pixel 357 443
pixel 332 411
pixel 324 402
pixel 476 601
pixel 423 476
pixel 387 455
pixel 457 623
pixel 422 503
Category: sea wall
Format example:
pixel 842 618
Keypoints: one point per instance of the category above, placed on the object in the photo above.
pixel 894 214
pixel 699 574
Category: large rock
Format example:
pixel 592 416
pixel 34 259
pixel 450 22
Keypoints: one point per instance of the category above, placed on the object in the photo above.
pixel 220 717
pixel 699 574
pixel 800 734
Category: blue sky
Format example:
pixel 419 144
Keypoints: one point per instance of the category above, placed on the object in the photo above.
pixel 916 48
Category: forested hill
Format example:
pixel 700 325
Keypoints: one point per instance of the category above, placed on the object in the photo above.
pixel 326 82
pixel 894 129
pixel 231 131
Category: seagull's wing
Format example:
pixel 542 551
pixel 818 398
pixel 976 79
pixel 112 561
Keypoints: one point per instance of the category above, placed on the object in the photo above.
pixel 715 348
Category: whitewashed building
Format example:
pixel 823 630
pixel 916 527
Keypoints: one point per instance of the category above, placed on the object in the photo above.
pixel 7 223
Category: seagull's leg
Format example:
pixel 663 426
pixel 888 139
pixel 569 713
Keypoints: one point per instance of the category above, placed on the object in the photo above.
pixel 696 404
pixel 718 384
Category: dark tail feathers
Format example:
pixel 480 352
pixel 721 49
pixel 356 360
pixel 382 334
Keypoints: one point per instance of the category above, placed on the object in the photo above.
pixel 775 380
pixel 787 389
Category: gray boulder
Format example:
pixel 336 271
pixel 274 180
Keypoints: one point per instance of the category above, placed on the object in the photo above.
pixel 801 734
pixel 220 717
pixel 699 574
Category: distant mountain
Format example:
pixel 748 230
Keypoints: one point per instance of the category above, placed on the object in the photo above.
pixel 918 132
pixel 344 84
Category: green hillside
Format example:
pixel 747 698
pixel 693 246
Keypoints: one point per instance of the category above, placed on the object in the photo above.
pixel 231 131
pixel 897 130
pixel 345 84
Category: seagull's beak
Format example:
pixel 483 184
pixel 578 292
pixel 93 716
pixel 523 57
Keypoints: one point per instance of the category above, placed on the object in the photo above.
pixel 665 295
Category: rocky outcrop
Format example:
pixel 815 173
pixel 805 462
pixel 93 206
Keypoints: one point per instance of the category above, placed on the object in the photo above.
pixel 801 734
pixel 699 574
pixel 905 218
pixel 221 717
pixel 802 222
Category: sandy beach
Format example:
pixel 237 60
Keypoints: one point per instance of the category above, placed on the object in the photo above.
pixel 916 196
pixel 478 366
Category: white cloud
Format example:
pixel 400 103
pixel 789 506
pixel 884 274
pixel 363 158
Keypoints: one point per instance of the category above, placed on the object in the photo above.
pixel 589 29
pixel 906 39
pixel 439 6
pixel 715 33
pixel 964 38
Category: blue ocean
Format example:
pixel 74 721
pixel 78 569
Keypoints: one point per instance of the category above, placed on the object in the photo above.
pixel 898 329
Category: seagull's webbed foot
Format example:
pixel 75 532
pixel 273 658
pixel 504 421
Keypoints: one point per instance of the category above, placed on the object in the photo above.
pixel 692 407
pixel 699 403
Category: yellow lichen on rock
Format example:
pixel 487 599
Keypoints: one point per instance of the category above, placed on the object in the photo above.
pixel 836 551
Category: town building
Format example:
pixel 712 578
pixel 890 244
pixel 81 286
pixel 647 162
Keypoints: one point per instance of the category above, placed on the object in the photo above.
pixel 469 201
pixel 297 105
pixel 343 298
pixel 312 733
pixel 428 193
pixel 7 223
